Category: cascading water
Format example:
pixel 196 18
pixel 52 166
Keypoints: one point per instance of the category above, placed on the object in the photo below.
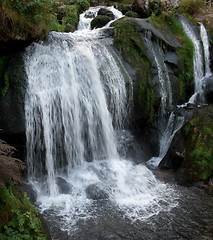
pixel 198 62
pixel 76 99
pixel 205 41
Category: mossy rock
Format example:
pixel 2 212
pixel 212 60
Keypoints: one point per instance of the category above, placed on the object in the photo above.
pixel 106 12
pixel 170 27
pixel 100 21
pixel 198 160
pixel 128 40
pixel 131 14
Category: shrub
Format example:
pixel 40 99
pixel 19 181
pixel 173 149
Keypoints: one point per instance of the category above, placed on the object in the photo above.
pixel 82 5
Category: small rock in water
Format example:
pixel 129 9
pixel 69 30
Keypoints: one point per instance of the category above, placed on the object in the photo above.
pixel 95 193
pixel 63 186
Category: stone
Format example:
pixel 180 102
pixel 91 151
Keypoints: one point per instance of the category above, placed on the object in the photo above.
pixel 63 186
pixel 100 21
pixel 106 12
pixel 96 193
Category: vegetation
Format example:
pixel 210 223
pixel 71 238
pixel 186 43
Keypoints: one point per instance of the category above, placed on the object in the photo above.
pixel 128 42
pixel 19 219
pixel 198 135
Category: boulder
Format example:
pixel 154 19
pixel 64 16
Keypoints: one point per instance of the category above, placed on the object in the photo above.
pixel 100 21
pixel 63 186
pixel 94 192
pixel 106 12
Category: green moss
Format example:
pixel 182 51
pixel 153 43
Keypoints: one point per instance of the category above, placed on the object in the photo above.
pixel 19 219
pixel 198 134
pixel 185 53
pixel 128 42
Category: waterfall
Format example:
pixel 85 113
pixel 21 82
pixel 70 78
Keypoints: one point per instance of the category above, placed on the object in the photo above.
pixel 205 41
pixel 76 108
pixel 198 63
pixel 66 105
pixel 174 124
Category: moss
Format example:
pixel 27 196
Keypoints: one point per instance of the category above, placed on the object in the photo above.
pixel 4 79
pixel 198 135
pixel 19 219
pixel 128 42
pixel 185 52
pixel 131 14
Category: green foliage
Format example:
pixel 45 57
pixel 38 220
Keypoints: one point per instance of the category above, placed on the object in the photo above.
pixel 155 7
pixel 82 5
pixel 4 79
pixel 22 218
pixel 191 7
pixel 198 134
pixel 70 18
pixel 127 40
pixel 34 17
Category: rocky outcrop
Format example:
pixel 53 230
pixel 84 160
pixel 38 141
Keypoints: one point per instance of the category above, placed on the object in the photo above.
pixel 12 113
pixel 191 152
pixel 140 43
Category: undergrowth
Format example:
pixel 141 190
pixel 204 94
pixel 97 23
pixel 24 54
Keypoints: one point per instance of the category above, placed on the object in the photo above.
pixel 19 219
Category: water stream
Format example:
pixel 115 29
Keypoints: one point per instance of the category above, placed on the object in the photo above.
pixel 77 108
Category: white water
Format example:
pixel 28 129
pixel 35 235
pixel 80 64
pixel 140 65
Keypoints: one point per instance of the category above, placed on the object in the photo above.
pixel 174 124
pixel 76 99
pixel 88 15
pixel 205 41
pixel 198 63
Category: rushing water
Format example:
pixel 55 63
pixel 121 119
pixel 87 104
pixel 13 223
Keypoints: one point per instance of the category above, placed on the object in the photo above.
pixel 77 105
pixel 198 63
pixel 77 100
pixel 205 41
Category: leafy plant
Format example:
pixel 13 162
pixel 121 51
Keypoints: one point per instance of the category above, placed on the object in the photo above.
pixel 22 218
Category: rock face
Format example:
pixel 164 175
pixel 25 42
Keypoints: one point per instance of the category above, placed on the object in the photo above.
pixel 191 151
pixel 12 112
pixel 136 39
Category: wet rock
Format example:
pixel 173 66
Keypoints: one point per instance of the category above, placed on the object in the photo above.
pixel 100 21
pixel 63 186
pixel 96 193
pixel 106 12
pixel 12 111
pixel 191 152
pixel 208 89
